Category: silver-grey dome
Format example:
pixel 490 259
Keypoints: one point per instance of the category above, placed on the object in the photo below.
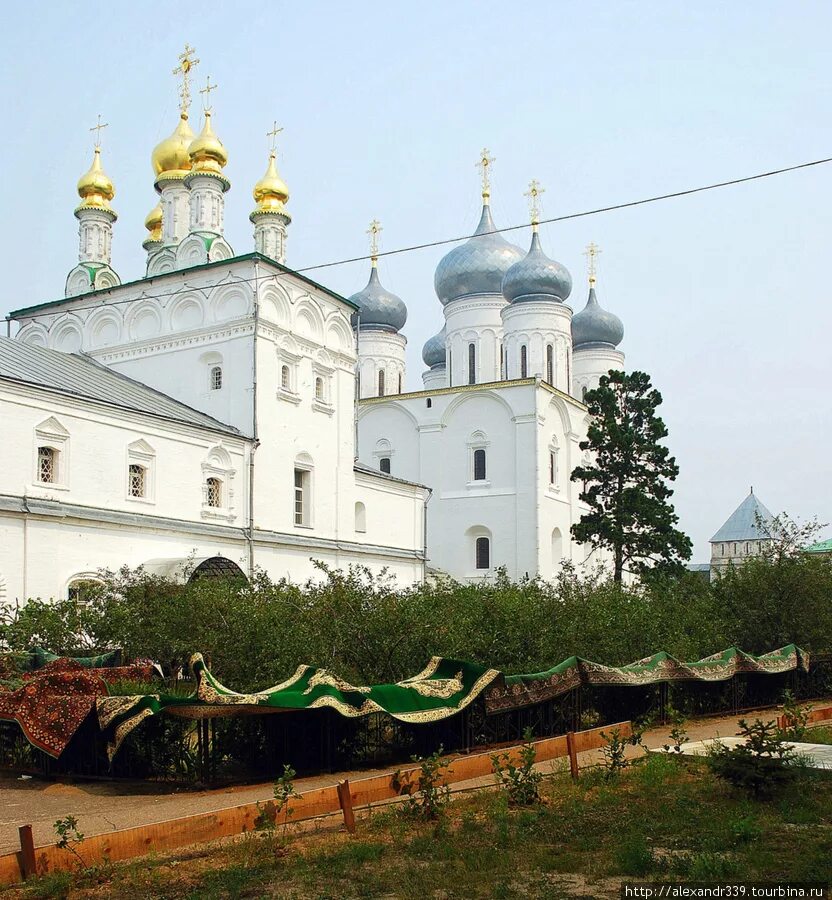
pixel 434 353
pixel 594 325
pixel 536 277
pixel 378 307
pixel 478 265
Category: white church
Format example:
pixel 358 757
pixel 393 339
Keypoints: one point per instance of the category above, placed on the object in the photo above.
pixel 224 413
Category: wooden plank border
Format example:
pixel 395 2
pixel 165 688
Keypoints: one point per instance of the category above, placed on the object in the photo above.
pixel 344 797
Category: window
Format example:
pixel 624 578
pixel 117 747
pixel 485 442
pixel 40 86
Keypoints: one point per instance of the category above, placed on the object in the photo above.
pixel 483 553
pixel 450 369
pixel 213 492
pixel 285 378
pixel 301 509
pixel 550 364
pixel 400 382
pixel 319 388
pixel 215 379
pixel 360 517
pixel 502 370
pixel 583 393
pixel 384 465
pixel 472 364
pixel 381 382
pixel 479 464
pixel 553 467
pixel 47 465
pixel 136 480
pixel 81 590
pixel 428 403
pixel 524 362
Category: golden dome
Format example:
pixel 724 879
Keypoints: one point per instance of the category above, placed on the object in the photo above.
pixel 206 151
pixel 94 187
pixel 271 191
pixel 153 223
pixel 170 157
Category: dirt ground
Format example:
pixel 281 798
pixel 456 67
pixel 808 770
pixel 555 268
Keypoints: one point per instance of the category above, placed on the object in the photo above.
pixel 110 806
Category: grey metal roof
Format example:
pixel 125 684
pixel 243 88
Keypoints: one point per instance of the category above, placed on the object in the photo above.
pixel 80 375
pixel 537 277
pixel 378 307
pixel 594 325
pixel 750 521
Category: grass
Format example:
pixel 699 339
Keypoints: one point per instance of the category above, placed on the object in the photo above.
pixel 664 819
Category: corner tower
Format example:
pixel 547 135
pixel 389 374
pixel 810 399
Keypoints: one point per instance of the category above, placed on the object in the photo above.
pixel 377 323
pixel 95 228
pixel 596 334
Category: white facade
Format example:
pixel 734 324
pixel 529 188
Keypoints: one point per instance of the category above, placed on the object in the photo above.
pixel 255 347
pixel 498 458
pixel 381 367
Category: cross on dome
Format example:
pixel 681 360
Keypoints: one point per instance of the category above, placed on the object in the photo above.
pixel 206 100
pixel 374 230
pixel 186 64
pixel 533 193
pixel 273 135
pixel 483 165
pixel 591 254
pixel 97 128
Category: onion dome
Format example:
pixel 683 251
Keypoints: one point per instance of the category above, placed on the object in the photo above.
pixel 478 265
pixel 536 277
pixel 94 187
pixel 153 224
pixel 206 151
pixel 434 353
pixel 378 307
pixel 170 158
pixel 270 193
pixel 593 325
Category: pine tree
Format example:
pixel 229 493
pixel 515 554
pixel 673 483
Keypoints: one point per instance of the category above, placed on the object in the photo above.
pixel 626 484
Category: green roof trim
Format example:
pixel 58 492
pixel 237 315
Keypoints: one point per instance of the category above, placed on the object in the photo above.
pixel 246 257
pixel 821 547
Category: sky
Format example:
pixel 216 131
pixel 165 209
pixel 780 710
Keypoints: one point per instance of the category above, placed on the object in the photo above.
pixel 725 296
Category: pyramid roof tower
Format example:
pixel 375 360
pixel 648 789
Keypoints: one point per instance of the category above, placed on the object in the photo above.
pixel 750 521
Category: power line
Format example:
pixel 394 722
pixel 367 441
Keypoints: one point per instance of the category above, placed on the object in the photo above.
pixel 455 240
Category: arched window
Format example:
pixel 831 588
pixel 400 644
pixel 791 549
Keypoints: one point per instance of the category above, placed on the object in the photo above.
pixel 472 364
pixel 285 378
pixel 400 382
pixel 215 378
pixel 319 388
pixel 550 364
pixel 381 382
pixel 479 464
pixel 82 589
pixel 136 480
pixel 524 362
pixel 47 465
pixel 450 368
pixel 502 363
pixel 428 403
pixel 583 393
pixel 360 517
pixel 557 546
pixel 213 492
pixel 384 464
pixel 483 553
pixel 553 466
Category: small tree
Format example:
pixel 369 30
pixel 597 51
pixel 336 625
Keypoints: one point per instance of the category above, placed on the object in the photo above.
pixel 626 484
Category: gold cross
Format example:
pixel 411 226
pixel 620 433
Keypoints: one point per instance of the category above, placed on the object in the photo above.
pixel 186 64
pixel 591 254
pixel 97 129
pixel 533 193
pixel 206 103
pixel 483 165
pixel 374 230
pixel 273 135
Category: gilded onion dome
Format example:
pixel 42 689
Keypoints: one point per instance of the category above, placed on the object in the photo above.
pixel 270 192
pixel 170 157
pixel 207 153
pixel 434 353
pixel 536 277
pixel 378 307
pixel 478 265
pixel 95 187
pixel 594 325
pixel 153 224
